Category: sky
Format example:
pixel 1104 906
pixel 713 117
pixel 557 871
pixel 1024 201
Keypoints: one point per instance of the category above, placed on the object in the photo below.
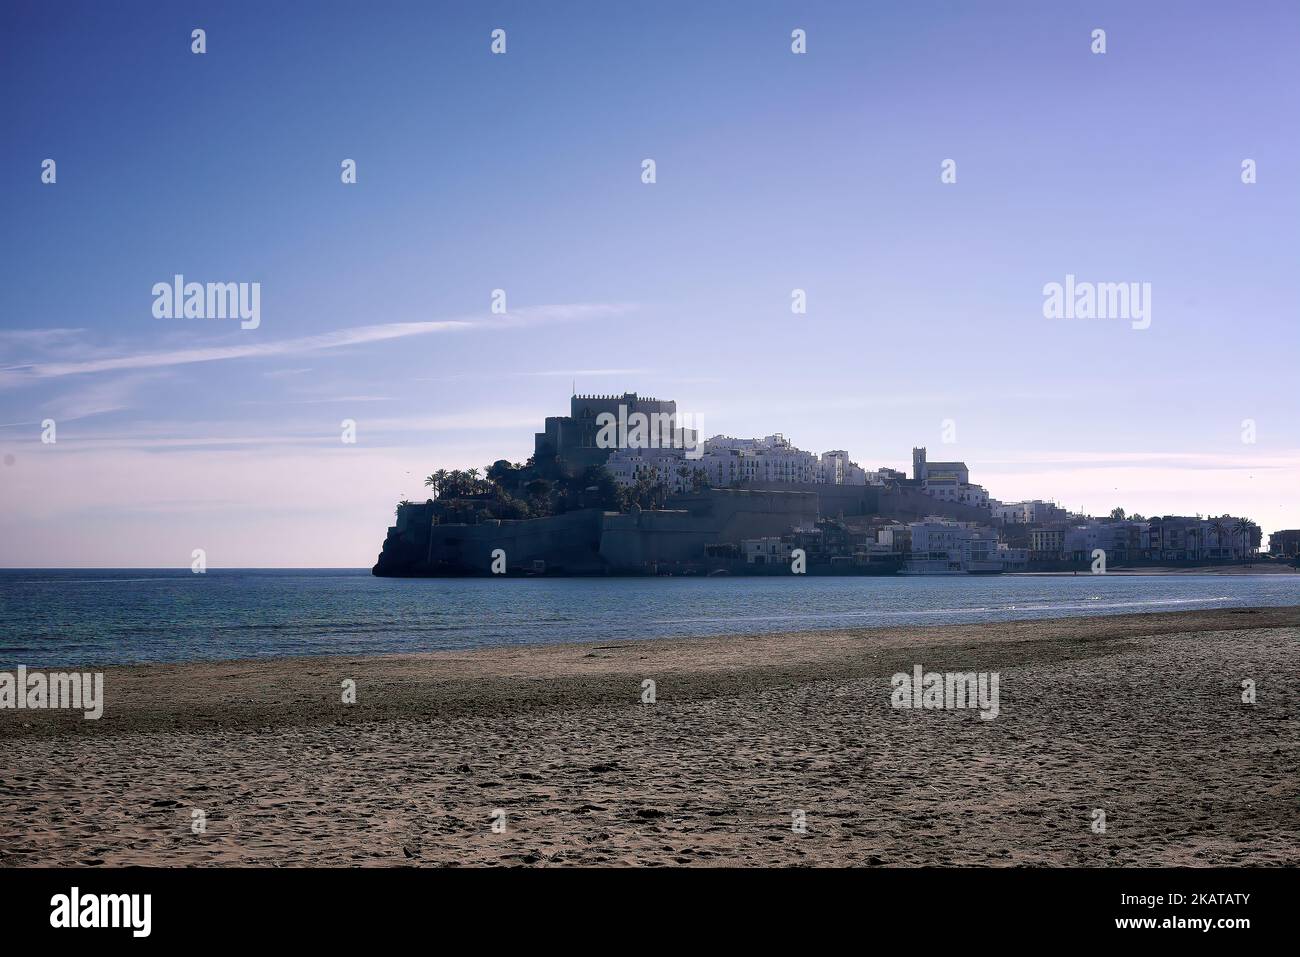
pixel 522 171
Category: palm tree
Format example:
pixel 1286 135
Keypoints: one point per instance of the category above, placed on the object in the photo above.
pixel 453 484
pixel 437 481
pixel 1218 529
pixel 1244 527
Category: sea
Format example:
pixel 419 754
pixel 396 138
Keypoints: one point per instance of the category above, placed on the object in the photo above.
pixel 74 618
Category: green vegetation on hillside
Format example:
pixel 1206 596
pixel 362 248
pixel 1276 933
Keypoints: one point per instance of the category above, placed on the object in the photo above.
pixel 511 490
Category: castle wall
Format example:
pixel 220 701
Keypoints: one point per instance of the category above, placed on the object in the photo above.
pixel 905 503
pixel 571 439
pixel 910 504
pixel 629 541
pixel 591 541
pixel 833 500
pixel 567 543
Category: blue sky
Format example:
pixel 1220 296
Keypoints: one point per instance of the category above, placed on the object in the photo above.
pixel 775 171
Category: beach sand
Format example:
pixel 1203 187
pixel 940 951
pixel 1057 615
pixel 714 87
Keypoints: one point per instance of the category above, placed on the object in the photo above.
pixel 1140 716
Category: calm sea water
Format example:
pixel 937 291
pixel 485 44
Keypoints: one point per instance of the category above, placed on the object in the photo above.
pixel 79 617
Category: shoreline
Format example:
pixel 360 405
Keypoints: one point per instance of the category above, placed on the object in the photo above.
pixel 1257 568
pixel 1161 570
pixel 299 688
pixel 1140 714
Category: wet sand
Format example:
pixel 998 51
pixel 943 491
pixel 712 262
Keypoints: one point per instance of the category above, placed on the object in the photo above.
pixel 1139 716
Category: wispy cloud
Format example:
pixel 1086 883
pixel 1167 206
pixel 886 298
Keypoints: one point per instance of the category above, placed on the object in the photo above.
pixel 1251 460
pixel 99 398
pixel 578 372
pixel 324 400
pixel 95 398
pixel 549 373
pixel 358 335
pixel 399 431
pixel 38 338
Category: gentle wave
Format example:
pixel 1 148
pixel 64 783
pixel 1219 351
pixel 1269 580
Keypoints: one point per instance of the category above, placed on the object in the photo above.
pixel 944 611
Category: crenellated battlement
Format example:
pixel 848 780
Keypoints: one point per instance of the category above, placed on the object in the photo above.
pixel 615 398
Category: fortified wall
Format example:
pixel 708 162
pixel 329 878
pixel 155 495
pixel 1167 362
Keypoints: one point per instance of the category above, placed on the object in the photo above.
pixel 568 442
pixel 901 502
pixel 592 541
pixel 634 540
pixel 568 544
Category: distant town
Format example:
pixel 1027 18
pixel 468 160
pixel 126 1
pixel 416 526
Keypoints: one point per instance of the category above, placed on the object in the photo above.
pixel 621 486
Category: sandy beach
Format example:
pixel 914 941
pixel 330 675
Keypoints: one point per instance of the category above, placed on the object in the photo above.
pixel 1140 716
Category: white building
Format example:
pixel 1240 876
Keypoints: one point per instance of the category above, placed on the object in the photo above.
pixel 766 551
pixel 1028 513
pixel 884 476
pixel 668 467
pixel 949 490
pixel 895 536
pixel 836 469
pixel 774 458
pixel 956 545
pixel 1013 559
pixel 1121 541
